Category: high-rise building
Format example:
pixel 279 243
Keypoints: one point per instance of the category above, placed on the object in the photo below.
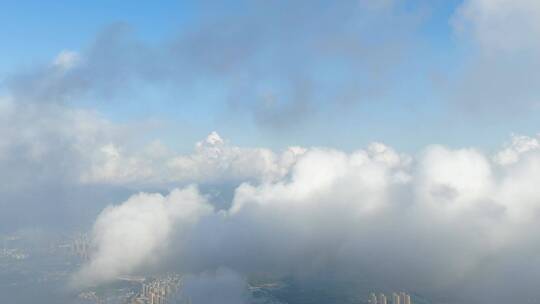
pixel 81 246
pixel 405 298
pixel 372 298
pixel 395 298
pixel 161 290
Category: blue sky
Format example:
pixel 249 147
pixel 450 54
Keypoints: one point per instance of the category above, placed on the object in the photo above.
pixel 409 106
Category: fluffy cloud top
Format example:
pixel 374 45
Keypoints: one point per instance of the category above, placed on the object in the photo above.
pixel 142 227
pixel 92 150
pixel 514 151
pixel 213 161
pixel 444 224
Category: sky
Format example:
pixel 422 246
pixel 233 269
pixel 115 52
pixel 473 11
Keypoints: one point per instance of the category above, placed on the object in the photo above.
pixel 385 142
pixel 415 58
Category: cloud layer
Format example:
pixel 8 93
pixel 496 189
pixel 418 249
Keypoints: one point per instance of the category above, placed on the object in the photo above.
pixel 69 162
pixel 455 225
pixel 448 224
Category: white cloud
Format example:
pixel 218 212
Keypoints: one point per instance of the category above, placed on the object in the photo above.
pixel 136 233
pixel 449 218
pixel 499 71
pixel 519 145
pixel 49 142
pixel 453 179
pixel 323 174
pixel 441 225
pixel 214 160
pixel 97 151
pixel 501 25
pixel 66 60
pixel 519 191
pixel 109 164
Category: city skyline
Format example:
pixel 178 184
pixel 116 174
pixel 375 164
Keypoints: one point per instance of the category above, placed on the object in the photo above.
pixel 400 297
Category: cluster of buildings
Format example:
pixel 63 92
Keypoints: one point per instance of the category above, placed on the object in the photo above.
pixel 395 298
pixel 81 246
pixel 9 249
pixel 13 254
pixel 163 290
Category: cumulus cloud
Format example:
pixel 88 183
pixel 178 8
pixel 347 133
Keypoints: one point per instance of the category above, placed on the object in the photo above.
pixel 71 156
pixel 518 146
pixel 445 224
pixel 142 225
pixel 454 179
pixel 43 150
pixel 61 153
pixel 216 160
pixel 213 161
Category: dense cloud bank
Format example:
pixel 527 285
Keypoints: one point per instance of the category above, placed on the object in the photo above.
pixel 451 223
pixel 456 225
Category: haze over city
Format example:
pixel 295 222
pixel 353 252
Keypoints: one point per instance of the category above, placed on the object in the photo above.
pixel 240 152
